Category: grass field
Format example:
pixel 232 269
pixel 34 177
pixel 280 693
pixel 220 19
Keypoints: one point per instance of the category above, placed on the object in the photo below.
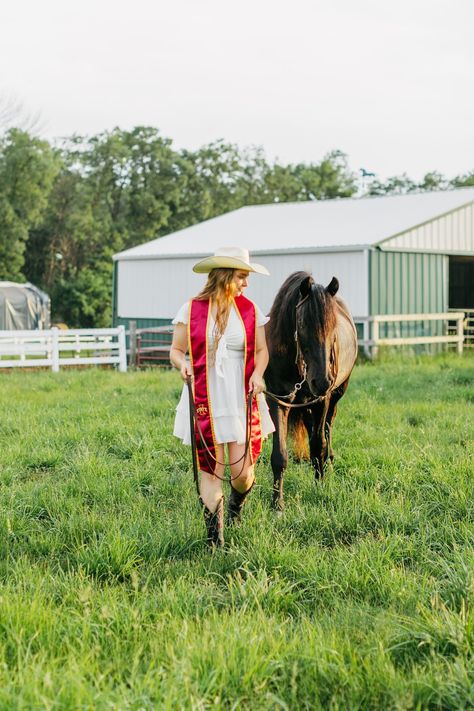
pixel 359 597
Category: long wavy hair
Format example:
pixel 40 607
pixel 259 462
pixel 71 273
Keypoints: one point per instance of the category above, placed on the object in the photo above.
pixel 220 290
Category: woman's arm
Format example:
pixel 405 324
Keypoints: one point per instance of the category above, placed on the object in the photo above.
pixel 179 346
pixel 261 361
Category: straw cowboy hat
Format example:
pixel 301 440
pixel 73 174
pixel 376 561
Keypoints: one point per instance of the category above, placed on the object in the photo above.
pixel 229 258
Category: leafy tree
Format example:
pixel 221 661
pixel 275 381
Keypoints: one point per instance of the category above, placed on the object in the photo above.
pixel 402 184
pixel 463 181
pixel 396 185
pixel 310 181
pixel 116 190
pixel 69 244
pixel 433 181
pixel 28 167
pixel 217 178
pixel 134 179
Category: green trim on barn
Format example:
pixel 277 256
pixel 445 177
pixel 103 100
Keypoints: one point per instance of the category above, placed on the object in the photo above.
pixel 114 294
pixel 408 283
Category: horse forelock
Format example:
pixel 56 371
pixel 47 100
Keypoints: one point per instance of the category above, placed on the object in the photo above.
pixel 319 312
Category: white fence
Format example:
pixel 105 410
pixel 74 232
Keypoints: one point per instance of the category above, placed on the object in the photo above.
pixel 56 348
pixel 372 338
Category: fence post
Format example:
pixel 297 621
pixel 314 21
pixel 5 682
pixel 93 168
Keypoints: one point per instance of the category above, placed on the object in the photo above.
pixel 122 349
pixel 55 349
pixel 132 335
pixel 375 337
pixel 460 333
pixel 366 336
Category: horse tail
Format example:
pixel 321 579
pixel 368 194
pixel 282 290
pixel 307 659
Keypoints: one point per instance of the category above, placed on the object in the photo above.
pixel 300 436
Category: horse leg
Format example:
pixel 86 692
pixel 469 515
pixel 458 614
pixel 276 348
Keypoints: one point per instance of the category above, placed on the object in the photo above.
pixel 301 425
pixel 318 445
pixel 332 410
pixel 279 458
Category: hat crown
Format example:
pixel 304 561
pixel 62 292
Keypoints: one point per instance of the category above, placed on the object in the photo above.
pixel 229 258
pixel 234 253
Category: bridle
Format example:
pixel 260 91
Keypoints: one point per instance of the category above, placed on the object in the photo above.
pixel 303 370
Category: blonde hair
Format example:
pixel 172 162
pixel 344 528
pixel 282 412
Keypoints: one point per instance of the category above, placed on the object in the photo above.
pixel 221 290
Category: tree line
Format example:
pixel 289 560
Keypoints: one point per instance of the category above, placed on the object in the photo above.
pixel 66 209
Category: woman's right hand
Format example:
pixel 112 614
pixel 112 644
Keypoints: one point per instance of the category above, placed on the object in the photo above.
pixel 185 371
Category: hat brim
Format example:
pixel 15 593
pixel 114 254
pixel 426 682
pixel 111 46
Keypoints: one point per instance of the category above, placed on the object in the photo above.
pixel 209 263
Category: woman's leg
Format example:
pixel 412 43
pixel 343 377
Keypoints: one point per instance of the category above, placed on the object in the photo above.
pixel 243 478
pixel 211 486
pixel 213 501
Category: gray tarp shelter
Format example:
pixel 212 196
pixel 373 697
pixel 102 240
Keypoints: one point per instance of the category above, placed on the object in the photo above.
pixel 23 307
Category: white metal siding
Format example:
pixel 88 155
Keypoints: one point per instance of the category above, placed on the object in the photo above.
pixel 156 288
pixel 451 233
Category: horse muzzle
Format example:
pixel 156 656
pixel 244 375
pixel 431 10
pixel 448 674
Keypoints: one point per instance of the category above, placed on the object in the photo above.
pixel 319 386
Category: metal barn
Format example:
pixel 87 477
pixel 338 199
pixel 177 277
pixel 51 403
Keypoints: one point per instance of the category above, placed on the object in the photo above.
pixel 400 254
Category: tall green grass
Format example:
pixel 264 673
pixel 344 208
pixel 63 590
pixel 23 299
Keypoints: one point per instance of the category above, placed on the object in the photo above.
pixel 359 597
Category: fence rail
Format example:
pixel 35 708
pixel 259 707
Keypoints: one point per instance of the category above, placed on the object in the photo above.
pixel 151 346
pixel 452 325
pixel 32 349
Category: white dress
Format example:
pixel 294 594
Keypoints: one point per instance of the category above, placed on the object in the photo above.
pixel 226 378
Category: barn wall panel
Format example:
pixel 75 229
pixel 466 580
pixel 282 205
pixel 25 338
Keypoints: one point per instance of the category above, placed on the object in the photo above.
pixel 350 268
pixel 407 282
pixel 156 288
pixel 450 233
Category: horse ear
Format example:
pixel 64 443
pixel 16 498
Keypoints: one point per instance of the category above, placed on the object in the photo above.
pixel 333 286
pixel 305 286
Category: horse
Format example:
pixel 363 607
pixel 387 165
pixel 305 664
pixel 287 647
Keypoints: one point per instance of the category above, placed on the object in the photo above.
pixel 312 344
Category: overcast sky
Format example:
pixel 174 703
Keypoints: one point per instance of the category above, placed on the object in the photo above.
pixel 389 83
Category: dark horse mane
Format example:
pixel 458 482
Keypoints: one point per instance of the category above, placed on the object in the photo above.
pixel 318 310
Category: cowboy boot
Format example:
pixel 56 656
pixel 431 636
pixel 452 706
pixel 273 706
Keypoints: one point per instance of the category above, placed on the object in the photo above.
pixel 215 525
pixel 236 502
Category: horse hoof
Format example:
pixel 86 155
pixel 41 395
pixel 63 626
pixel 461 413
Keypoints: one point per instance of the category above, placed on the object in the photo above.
pixel 278 508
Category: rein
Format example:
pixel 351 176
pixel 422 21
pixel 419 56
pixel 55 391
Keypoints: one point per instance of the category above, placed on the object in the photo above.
pixel 194 426
pixel 276 398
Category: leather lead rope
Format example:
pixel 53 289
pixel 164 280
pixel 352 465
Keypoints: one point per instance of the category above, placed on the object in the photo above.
pixel 193 438
pixel 276 399
pixel 194 425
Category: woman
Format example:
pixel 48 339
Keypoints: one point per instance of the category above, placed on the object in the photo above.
pixel 224 333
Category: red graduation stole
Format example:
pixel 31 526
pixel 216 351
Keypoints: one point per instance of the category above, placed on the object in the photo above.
pixel 198 323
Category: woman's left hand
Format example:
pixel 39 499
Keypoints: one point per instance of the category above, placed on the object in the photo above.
pixel 256 384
